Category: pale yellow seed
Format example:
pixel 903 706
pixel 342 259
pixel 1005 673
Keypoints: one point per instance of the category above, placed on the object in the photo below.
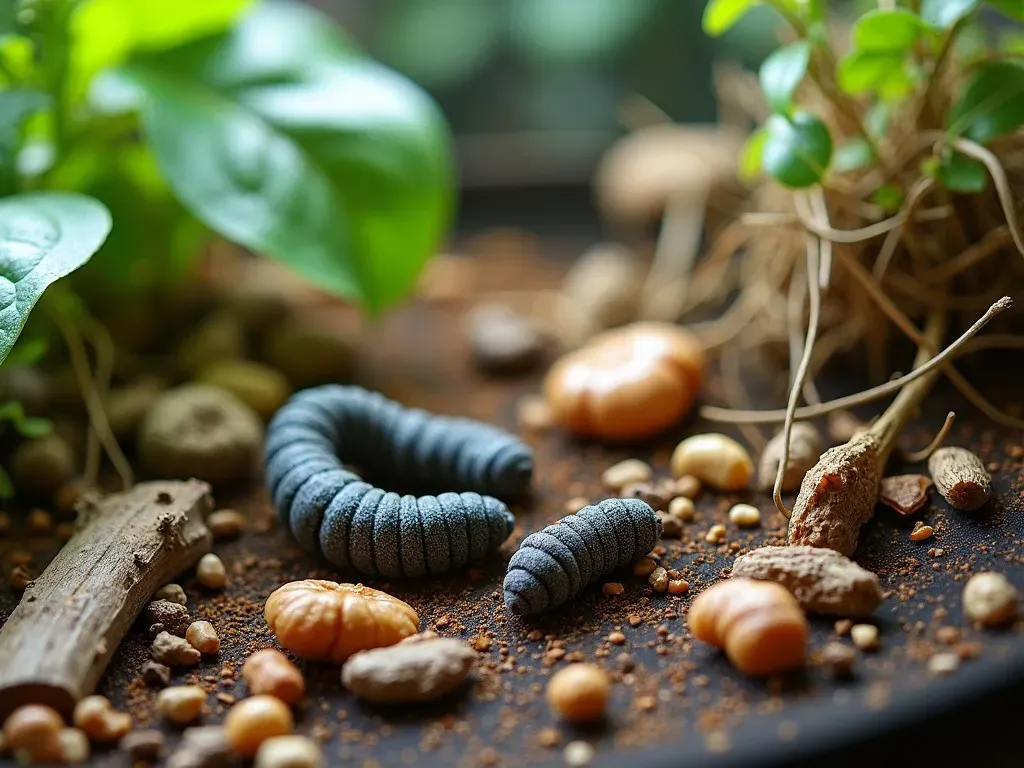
pixel 644 567
pixel 96 717
pixel 211 572
pixel 226 524
pixel 74 746
pixel 714 459
pixel 865 636
pixel 716 534
pixel 618 476
pixel 682 508
pixel 289 752
pixel 944 663
pixel 990 598
pixel 181 704
pixel 745 515
pixel 172 593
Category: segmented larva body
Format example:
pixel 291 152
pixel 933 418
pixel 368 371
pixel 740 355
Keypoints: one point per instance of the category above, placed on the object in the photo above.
pixel 330 510
pixel 554 564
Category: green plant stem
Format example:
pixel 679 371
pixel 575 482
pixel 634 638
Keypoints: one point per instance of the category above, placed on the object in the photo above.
pixel 54 48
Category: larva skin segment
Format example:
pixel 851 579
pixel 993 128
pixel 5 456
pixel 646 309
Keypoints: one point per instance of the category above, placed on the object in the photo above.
pixel 553 565
pixel 331 510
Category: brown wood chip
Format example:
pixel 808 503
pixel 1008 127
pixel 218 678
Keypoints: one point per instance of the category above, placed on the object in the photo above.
pixel 905 493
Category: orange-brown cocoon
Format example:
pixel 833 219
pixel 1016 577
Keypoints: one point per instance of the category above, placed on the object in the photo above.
pixel 758 624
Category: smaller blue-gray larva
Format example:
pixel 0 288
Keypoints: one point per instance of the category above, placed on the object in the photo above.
pixel 330 510
pixel 554 564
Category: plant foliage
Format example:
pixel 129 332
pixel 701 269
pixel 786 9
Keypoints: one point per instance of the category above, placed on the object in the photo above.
pixel 180 119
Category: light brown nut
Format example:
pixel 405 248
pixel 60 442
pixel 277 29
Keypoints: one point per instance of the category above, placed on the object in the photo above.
pixel 804 450
pixel 715 460
pixel 226 524
pixel 34 729
pixel 74 746
pixel 203 637
pixel 409 672
pixel 625 473
pixel 172 593
pixel 745 515
pixel 270 672
pixel 822 580
pixel 960 477
pixel 865 636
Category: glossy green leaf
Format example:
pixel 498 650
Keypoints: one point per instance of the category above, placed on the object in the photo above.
pixel 43 237
pixel 782 73
pixel 303 151
pixel 721 15
pixel 1012 8
pixel 105 32
pixel 888 197
pixel 992 104
pixel 959 173
pixel 751 154
pixel 884 30
pixel 8 17
pixel 943 14
pixel 797 150
pixel 854 154
pixel 864 71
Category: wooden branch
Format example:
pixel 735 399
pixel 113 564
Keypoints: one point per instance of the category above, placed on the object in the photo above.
pixel 58 641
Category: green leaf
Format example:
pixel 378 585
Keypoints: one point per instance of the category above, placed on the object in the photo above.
pixel 567 30
pixel 27 426
pixel 16 107
pixel 943 14
pixel 330 163
pixel 992 104
pixel 105 32
pixel 782 73
pixel 43 237
pixel 854 154
pixel 750 155
pixel 864 71
pixel 798 150
pixel 888 197
pixel 880 30
pixel 1012 8
pixel 959 173
pixel 721 15
pixel 8 17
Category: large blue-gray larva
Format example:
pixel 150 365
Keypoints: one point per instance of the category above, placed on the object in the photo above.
pixel 554 564
pixel 331 510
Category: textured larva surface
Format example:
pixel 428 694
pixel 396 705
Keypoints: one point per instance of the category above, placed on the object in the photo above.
pixel 554 564
pixel 330 510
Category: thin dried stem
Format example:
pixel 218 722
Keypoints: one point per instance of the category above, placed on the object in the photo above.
pixel 892 239
pixel 998 173
pixel 728 416
pixel 813 320
pixel 924 453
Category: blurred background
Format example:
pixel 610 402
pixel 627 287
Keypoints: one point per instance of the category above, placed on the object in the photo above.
pixel 534 88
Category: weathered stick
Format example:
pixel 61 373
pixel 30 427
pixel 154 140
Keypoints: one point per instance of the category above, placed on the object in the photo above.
pixel 58 641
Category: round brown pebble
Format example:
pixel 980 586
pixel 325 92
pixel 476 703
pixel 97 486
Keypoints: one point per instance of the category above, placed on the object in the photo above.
pixel 270 672
pixel 617 638
pixel 96 717
pixel 172 593
pixel 203 637
pixel 626 473
pixel 644 567
pixel 681 508
pixel 35 729
pixel 39 521
pixel 142 746
pixel 42 465
pixel 579 693
pixel 671 527
pixel 252 721
pixel 210 572
pixel 181 704
pixel 840 658
pixel 613 588
pixel 226 524
pixel 658 579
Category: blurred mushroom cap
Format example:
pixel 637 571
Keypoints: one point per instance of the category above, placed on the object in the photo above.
pixel 643 170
